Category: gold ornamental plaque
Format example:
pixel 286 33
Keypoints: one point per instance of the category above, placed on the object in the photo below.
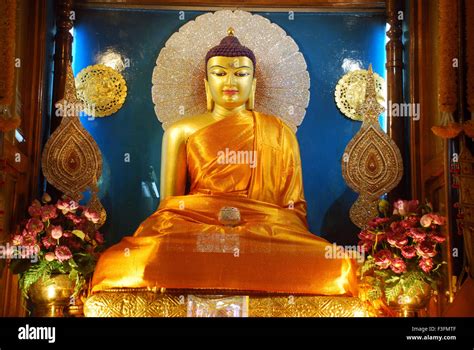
pixel 101 89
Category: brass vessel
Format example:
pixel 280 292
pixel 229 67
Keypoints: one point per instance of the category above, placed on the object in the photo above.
pixel 52 297
pixel 412 304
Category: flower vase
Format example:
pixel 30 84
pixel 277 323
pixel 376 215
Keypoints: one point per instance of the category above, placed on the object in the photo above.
pixel 413 303
pixel 51 297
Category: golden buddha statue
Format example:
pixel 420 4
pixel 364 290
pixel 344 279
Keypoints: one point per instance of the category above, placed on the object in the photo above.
pixel 232 215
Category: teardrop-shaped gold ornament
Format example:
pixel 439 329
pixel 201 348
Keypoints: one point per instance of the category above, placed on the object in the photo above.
pixel 71 159
pixel 372 164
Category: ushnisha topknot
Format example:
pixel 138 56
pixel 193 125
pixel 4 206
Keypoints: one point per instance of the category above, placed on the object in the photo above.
pixel 230 46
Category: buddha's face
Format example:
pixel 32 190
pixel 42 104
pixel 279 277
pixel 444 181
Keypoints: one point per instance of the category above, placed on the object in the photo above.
pixel 230 80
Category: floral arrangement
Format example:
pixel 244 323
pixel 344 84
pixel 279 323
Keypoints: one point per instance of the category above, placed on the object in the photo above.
pixel 402 250
pixel 56 238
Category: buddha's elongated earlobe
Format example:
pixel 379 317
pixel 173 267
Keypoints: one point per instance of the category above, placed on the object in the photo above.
pixel 209 100
pixel 250 105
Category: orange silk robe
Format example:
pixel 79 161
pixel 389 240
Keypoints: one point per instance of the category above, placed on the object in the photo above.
pixel 182 245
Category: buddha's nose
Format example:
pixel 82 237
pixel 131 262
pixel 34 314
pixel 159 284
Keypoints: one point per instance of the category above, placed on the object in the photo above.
pixel 230 79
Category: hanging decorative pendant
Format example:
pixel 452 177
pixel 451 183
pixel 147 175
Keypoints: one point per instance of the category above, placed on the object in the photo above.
pixel 372 164
pixel 71 160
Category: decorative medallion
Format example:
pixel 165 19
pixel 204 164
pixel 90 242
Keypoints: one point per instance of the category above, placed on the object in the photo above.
pixel 101 89
pixel 350 92
pixel 71 159
pixel 178 88
pixel 372 164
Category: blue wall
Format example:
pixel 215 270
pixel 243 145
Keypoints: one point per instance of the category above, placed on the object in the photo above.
pixel 325 39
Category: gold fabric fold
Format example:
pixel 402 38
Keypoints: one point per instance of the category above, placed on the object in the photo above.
pixel 184 246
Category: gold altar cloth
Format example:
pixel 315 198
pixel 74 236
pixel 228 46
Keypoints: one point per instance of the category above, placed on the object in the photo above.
pixel 184 246
pixel 175 304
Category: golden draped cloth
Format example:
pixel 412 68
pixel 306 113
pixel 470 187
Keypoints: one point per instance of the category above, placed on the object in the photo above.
pixel 182 245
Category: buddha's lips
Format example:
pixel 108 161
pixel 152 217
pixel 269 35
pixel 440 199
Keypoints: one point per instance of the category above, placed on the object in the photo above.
pixel 230 92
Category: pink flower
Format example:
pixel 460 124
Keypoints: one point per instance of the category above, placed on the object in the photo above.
pixel 50 256
pixel 383 259
pixel 408 252
pixel 426 220
pixel 403 208
pixel 67 234
pixel 48 212
pixel 409 222
pixel 397 239
pixel 35 209
pixel 398 265
pixel 63 253
pixel 99 238
pixel 426 264
pixel 56 232
pixel 17 240
pixel 48 242
pixel 34 226
pixel 75 219
pixel 437 238
pixel 438 219
pixel 29 239
pixel 378 221
pixel 426 249
pixel 417 234
pixel 91 215
pixel 67 205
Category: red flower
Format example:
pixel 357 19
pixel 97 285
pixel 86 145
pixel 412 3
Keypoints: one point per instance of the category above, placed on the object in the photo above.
pixel 409 222
pixel 48 242
pixel 397 239
pixel 383 259
pixel 426 264
pixel 398 265
pixel 378 221
pixel 34 226
pixel 427 219
pixel 364 245
pixel 74 218
pixel 408 252
pixel 48 212
pixel 62 253
pixel 35 209
pixel 426 249
pixel 29 239
pixel 417 234
pixel 367 235
pixel 437 238
pixel 438 219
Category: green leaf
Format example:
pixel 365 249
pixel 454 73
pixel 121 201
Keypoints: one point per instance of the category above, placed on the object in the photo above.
pixel 79 234
pixel 392 292
pixel 392 279
pixel 368 266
